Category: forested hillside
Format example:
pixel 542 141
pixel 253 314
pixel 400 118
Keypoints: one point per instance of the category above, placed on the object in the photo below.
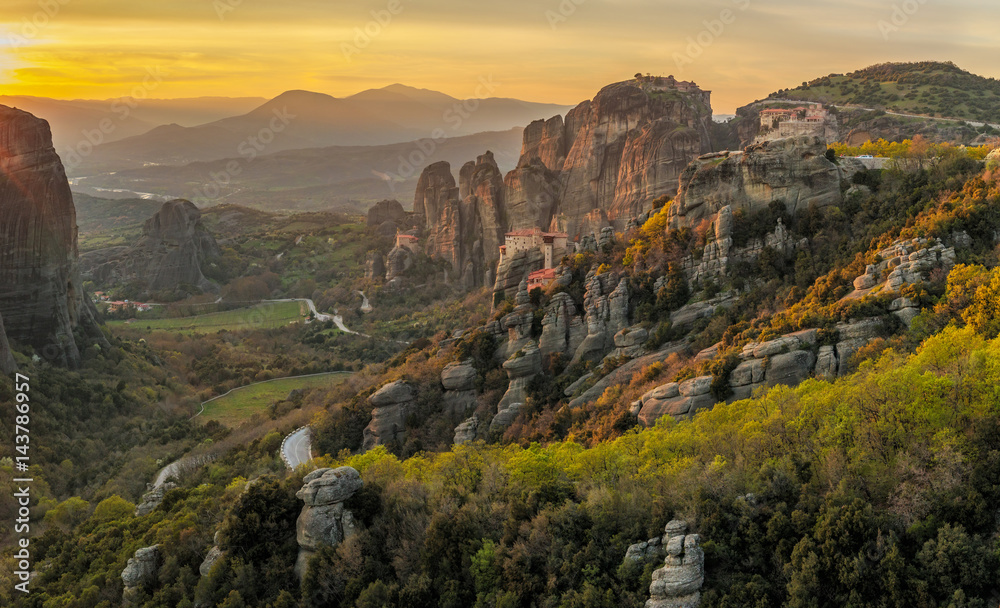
pixel 927 88
pixel 876 488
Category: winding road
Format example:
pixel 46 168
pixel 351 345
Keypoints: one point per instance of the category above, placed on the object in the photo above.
pixel 178 467
pixel 296 449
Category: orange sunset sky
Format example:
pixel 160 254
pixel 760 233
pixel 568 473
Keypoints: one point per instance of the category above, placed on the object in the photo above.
pixel 558 51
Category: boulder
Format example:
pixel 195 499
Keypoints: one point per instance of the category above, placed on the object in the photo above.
pixel 780 345
pixel 791 368
pixel 695 386
pixel 214 554
pixel 459 376
pixel 153 498
pixel 708 354
pixel 391 404
pixel 399 261
pixel 867 280
pixel 854 336
pixel 905 309
pixel 467 431
pixel 324 521
pixel 513 270
pixel 826 362
pixel 747 373
pixel 140 571
pixel 328 486
pixel 387 230
pixel 679 400
pixel 651 550
pixel 629 341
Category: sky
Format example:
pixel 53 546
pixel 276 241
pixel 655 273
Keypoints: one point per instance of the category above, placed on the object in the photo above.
pixel 557 51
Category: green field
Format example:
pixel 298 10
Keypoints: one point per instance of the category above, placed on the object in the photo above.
pixel 263 316
pixel 242 403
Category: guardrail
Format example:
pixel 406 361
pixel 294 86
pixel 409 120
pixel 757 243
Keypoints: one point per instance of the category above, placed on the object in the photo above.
pixel 284 441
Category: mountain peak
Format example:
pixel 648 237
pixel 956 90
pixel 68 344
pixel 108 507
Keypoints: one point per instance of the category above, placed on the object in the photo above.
pixel 302 95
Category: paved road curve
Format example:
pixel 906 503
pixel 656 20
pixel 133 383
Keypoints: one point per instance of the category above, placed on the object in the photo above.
pixel 296 449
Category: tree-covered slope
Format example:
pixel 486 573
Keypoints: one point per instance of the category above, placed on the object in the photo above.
pixel 927 88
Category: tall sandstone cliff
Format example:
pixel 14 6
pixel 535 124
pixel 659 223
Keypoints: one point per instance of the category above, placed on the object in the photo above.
pixel 41 299
pixel 601 166
pixel 173 247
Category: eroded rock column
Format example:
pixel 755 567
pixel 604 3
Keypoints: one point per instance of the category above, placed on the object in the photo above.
pixel 324 522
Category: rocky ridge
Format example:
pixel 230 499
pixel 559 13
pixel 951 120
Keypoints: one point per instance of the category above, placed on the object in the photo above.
pixel 794 170
pixel 600 166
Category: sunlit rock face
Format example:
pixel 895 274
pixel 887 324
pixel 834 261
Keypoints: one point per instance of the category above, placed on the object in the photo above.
pixel 41 299
pixel 601 166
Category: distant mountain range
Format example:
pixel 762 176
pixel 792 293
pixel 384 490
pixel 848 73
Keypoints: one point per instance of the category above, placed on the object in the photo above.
pixel 302 119
pixel 346 178
pixel 72 120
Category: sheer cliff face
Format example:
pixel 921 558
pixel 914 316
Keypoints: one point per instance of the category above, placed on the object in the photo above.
pixel 175 244
pixel 170 254
pixel 463 224
pixel 603 164
pixel 794 171
pixel 628 148
pixel 7 364
pixel 41 300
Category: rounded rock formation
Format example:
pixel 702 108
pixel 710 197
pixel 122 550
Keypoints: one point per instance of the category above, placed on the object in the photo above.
pixel 678 583
pixel 324 521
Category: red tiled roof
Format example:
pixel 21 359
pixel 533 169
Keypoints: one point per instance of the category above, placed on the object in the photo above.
pixel 547 273
pixel 408 237
pixel 525 232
